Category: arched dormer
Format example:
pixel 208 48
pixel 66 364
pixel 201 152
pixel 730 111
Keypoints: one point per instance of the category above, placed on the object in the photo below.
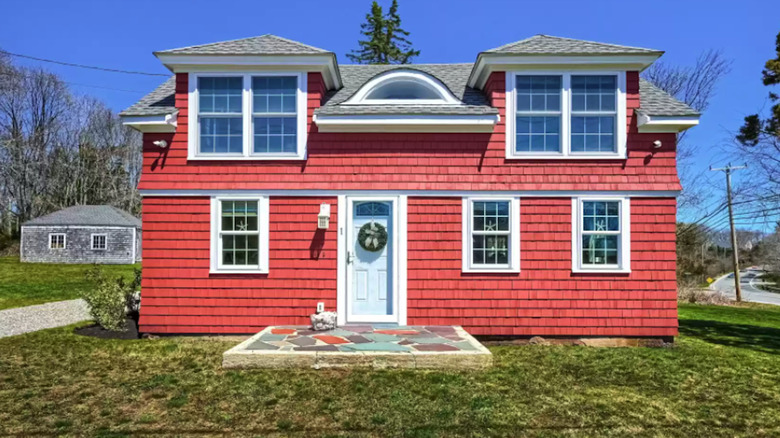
pixel 403 87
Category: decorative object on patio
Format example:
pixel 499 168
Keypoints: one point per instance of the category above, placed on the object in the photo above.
pixel 372 236
pixel 323 321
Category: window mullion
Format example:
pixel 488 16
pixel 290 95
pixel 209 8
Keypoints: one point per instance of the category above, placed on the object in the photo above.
pixel 247 115
pixel 566 115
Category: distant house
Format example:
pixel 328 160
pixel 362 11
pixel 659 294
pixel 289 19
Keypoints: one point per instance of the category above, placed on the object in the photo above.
pixel 82 234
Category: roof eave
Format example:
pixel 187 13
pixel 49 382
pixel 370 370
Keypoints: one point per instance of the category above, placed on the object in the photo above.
pixel 647 123
pixel 406 123
pixel 488 63
pixel 324 63
pixel 152 123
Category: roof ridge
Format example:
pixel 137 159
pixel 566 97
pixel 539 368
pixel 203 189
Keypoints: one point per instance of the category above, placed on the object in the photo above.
pixel 576 40
pixel 410 65
pixel 196 46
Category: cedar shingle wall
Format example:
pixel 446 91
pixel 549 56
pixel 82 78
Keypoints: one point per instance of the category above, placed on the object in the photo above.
pixel 376 161
pixel 180 296
pixel 545 298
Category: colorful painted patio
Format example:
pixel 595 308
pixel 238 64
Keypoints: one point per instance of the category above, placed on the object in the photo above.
pixel 360 346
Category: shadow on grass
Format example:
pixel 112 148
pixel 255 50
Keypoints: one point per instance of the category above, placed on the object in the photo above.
pixel 763 339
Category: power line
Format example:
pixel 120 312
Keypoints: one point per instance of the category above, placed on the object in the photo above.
pixel 75 83
pixel 92 67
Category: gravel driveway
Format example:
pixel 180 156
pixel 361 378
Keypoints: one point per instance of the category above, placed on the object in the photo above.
pixel 42 316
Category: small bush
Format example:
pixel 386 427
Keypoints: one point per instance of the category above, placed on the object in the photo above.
pixel 110 298
pixel 692 293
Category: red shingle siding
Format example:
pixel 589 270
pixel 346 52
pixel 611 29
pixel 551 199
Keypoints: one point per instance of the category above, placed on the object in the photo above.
pixel 339 161
pixel 180 296
pixel 545 298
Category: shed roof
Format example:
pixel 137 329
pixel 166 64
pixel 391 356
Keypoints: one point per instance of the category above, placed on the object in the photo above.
pixel 87 215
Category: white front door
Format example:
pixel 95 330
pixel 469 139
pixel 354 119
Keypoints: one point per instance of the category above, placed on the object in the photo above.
pixel 371 255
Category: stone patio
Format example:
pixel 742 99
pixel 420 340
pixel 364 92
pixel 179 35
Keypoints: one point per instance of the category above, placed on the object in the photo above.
pixel 360 346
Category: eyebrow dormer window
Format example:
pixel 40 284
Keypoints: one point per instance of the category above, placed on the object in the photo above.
pixel 403 87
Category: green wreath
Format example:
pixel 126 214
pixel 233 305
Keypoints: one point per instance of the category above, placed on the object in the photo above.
pixel 372 237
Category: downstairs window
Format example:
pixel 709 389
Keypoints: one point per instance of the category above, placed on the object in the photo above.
pixel 240 235
pixel 601 235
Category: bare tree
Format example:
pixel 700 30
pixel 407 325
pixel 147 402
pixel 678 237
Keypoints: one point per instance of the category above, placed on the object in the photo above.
pixel 58 149
pixel 695 85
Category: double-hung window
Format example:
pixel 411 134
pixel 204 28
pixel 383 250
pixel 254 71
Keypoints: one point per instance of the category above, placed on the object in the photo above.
pixel 491 239
pixel 566 115
pixel 601 234
pixel 57 241
pixel 253 116
pixel 99 241
pixel 239 235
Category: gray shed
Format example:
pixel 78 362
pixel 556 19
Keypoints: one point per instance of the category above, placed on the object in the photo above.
pixel 82 234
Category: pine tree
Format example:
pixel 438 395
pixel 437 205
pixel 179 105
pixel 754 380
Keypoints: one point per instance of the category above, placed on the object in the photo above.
pixel 755 130
pixel 387 42
pixel 401 51
pixel 374 50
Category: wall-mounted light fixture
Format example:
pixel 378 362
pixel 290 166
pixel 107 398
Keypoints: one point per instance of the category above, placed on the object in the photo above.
pixel 323 219
pixel 162 144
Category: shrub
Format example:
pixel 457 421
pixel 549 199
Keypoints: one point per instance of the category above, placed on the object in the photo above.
pixel 689 292
pixel 110 298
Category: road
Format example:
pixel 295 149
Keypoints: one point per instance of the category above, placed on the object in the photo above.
pixel 750 292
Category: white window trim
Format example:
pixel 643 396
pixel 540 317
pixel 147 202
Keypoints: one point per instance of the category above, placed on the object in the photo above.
pixel 216 266
pixel 446 97
pixel 92 241
pixel 514 236
pixel 64 240
pixel 566 153
pixel 624 243
pixel 193 122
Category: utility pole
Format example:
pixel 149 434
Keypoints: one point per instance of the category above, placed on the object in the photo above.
pixel 734 251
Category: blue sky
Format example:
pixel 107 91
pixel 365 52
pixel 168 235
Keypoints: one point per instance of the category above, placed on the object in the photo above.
pixel 123 34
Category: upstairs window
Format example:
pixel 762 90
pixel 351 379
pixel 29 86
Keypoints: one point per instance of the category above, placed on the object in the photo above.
pixel 247 116
pixel 403 87
pixel 566 115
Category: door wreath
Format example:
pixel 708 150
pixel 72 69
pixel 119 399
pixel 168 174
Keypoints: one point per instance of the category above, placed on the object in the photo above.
pixel 372 237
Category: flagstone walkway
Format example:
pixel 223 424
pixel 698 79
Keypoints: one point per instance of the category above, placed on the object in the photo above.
pixel 376 346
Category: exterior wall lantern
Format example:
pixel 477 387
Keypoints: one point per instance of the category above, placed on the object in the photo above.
pixel 323 219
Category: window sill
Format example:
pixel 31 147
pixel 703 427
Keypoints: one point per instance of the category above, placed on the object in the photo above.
pixel 490 271
pixel 238 271
pixel 247 158
pixel 600 271
pixel 565 157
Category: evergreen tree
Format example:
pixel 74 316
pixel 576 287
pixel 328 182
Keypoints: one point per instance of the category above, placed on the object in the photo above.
pixel 386 41
pixel 400 48
pixel 755 130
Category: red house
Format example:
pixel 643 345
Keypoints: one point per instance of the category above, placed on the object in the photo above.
pixel 529 193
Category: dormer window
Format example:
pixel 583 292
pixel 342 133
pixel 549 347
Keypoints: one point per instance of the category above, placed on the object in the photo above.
pixel 259 116
pixel 572 115
pixel 403 87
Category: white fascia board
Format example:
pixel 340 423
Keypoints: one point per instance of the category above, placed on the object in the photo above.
pixel 325 64
pixel 488 63
pixel 152 124
pixel 406 123
pixel 649 124
pixel 415 193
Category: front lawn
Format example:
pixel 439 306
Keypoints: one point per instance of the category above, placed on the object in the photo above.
pixel 25 284
pixel 722 379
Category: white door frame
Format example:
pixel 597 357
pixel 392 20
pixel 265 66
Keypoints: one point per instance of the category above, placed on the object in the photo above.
pixel 344 271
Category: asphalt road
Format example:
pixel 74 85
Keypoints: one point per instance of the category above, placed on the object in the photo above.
pixel 749 291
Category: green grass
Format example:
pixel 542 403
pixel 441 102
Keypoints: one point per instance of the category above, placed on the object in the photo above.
pixel 25 284
pixel 721 379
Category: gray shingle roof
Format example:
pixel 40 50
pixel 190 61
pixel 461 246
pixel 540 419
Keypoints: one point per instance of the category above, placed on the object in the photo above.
pixel 654 101
pixel 161 101
pixel 453 76
pixel 552 45
pixel 260 45
pixel 88 215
